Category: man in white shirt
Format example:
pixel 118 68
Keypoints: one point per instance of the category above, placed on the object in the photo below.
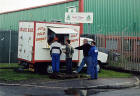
pixel 55 52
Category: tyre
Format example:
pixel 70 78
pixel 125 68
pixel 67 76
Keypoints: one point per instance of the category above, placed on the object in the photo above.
pixel 49 69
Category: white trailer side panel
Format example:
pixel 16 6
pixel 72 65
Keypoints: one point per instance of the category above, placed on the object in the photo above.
pixel 42 53
pixel 25 40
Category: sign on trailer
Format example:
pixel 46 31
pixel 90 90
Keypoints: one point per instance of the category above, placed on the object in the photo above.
pixel 79 17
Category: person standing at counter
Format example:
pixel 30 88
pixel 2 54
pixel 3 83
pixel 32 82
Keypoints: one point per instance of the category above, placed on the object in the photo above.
pixel 69 54
pixel 55 52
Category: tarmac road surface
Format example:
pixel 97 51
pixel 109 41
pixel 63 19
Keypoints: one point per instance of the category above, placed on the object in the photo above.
pixel 29 91
pixel 37 91
pixel 58 89
pixel 135 91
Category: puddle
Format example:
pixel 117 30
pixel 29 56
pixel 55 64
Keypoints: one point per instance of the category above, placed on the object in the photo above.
pixel 73 92
pixel 76 92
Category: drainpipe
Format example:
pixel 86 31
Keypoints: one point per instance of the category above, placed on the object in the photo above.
pixel 81 9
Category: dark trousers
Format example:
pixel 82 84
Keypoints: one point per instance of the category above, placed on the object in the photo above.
pixel 69 65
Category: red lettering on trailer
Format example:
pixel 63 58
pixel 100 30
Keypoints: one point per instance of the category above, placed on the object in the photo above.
pixel 40 33
pixel 30 30
pixel 74 35
pixel 74 40
pixel 40 39
pixel 41 28
pixel 26 29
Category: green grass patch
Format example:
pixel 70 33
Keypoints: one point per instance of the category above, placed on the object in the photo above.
pixel 6 65
pixel 111 74
pixel 11 75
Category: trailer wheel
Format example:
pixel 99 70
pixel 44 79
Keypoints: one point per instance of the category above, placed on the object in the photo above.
pixel 99 66
pixel 24 64
pixel 41 68
pixel 49 69
pixel 74 64
pixel 36 68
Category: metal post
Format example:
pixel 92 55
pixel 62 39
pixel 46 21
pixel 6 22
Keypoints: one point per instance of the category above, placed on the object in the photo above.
pixel 122 63
pixel 10 46
pixel 89 29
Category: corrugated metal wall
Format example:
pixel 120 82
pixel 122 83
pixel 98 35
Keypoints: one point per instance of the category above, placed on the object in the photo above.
pixel 48 14
pixel 117 28
pixel 114 16
pixel 9 21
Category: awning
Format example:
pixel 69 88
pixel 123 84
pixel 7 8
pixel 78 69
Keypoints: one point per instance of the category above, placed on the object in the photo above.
pixel 62 30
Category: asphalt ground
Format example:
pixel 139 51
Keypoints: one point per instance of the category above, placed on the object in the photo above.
pixel 101 83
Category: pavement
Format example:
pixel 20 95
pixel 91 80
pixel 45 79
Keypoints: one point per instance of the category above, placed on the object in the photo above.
pixel 79 83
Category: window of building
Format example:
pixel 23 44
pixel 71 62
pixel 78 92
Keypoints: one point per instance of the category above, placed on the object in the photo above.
pixel 128 45
pixel 112 44
pixel 138 42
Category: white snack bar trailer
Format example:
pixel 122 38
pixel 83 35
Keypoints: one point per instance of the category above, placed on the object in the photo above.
pixel 34 41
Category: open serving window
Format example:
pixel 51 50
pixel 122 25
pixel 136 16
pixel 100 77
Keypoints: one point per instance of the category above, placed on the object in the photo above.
pixel 61 33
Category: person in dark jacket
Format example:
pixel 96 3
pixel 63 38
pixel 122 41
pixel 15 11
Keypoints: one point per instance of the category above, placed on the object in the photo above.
pixel 85 47
pixel 69 54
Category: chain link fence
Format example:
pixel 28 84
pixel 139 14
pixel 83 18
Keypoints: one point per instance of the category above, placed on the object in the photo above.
pixel 8 46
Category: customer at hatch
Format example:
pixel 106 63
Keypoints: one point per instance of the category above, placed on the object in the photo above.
pixel 69 54
pixel 55 52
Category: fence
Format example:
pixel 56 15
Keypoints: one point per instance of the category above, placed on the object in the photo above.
pixel 124 51
pixel 8 46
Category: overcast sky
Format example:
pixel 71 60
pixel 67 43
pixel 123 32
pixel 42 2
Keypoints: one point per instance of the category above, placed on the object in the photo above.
pixel 9 5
